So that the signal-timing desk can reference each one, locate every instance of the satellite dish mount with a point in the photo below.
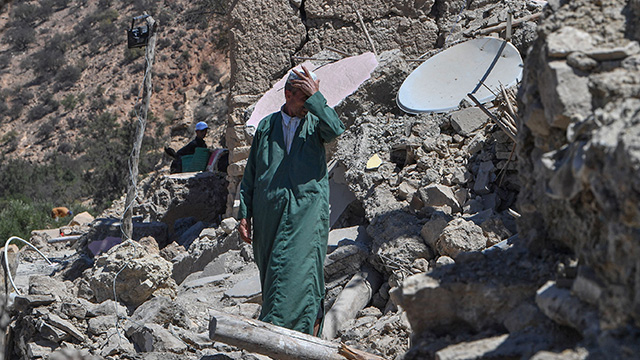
(138, 36)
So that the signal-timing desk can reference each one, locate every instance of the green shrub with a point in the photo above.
(4, 109)
(67, 77)
(46, 106)
(20, 99)
(10, 140)
(46, 130)
(5, 60)
(46, 62)
(69, 102)
(18, 217)
(19, 36)
(44, 11)
(25, 12)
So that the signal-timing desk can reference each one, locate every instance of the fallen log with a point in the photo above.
(353, 298)
(277, 342)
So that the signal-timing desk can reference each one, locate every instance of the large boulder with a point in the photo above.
(139, 274)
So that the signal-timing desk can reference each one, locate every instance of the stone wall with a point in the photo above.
(579, 147)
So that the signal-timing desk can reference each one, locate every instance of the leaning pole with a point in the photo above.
(127, 224)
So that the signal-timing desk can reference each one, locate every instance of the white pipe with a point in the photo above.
(6, 259)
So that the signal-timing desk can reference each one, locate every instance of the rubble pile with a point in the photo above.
(460, 244)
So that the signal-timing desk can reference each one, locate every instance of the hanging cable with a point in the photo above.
(6, 258)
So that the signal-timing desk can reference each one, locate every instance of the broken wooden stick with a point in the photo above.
(338, 51)
(505, 127)
(313, 58)
(275, 341)
(503, 26)
(366, 33)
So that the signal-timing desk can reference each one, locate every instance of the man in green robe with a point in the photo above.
(285, 190)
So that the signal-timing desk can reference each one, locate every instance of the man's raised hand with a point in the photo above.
(306, 84)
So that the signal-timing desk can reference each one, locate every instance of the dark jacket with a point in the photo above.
(190, 148)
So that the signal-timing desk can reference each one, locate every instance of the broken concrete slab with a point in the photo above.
(478, 349)
(160, 310)
(346, 259)
(50, 332)
(73, 310)
(47, 285)
(84, 218)
(107, 307)
(460, 236)
(564, 308)
(245, 288)
(354, 233)
(468, 120)
(101, 324)
(215, 280)
(439, 195)
(153, 337)
(65, 325)
(484, 178)
(567, 94)
(115, 343)
(25, 302)
(201, 252)
(566, 40)
(432, 230)
(228, 225)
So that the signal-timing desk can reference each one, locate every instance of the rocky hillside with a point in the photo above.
(69, 84)
(465, 243)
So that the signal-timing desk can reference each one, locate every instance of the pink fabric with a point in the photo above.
(337, 81)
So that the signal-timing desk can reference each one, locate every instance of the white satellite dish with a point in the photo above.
(440, 83)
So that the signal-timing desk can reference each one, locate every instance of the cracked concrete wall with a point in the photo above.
(578, 145)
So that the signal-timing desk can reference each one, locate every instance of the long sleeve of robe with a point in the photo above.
(287, 195)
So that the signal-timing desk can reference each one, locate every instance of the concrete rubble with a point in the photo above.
(456, 247)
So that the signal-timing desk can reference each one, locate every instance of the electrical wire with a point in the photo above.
(6, 259)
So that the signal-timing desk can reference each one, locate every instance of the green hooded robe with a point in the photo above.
(287, 195)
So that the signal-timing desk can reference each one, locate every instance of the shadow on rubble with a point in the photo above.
(479, 303)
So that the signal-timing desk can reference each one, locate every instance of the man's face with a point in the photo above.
(295, 102)
(201, 133)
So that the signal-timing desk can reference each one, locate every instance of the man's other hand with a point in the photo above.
(245, 230)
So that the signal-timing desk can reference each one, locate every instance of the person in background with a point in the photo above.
(190, 148)
(285, 191)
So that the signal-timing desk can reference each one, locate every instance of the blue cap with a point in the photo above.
(202, 125)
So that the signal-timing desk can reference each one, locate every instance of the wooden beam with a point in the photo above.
(127, 224)
(277, 342)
